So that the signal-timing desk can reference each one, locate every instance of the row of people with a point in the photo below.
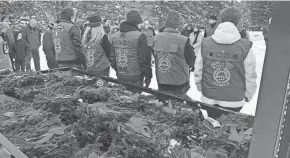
(224, 62)
(27, 37)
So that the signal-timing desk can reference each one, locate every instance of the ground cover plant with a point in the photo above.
(66, 115)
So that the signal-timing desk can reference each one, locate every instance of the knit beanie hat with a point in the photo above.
(213, 17)
(173, 20)
(134, 17)
(94, 20)
(66, 14)
(232, 14)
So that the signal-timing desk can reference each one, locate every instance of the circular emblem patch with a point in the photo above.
(164, 64)
(122, 59)
(100, 83)
(221, 75)
(90, 57)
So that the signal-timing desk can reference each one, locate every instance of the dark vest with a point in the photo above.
(96, 58)
(63, 44)
(171, 66)
(127, 57)
(223, 75)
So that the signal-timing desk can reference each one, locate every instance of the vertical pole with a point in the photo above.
(270, 140)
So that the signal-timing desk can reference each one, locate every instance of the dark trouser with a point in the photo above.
(215, 113)
(177, 90)
(174, 89)
(135, 82)
(35, 55)
(192, 67)
(12, 63)
(50, 59)
(51, 63)
(19, 65)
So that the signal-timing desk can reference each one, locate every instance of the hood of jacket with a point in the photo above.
(226, 33)
(127, 27)
(66, 21)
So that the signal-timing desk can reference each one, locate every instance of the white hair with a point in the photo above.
(97, 34)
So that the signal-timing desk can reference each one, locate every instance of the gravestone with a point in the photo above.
(271, 133)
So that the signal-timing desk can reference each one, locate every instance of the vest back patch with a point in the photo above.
(221, 73)
(90, 56)
(57, 45)
(122, 59)
(164, 61)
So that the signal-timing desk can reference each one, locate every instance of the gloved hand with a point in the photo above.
(246, 99)
(147, 82)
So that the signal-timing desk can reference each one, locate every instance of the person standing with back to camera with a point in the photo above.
(130, 55)
(225, 67)
(67, 41)
(96, 47)
(174, 56)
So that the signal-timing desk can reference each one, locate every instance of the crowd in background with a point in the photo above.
(219, 54)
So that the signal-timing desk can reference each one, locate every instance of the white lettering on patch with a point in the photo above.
(90, 56)
(57, 45)
(164, 62)
(221, 74)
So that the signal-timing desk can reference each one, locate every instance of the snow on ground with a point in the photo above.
(250, 108)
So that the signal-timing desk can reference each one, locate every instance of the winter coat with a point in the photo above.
(106, 29)
(173, 55)
(150, 33)
(142, 68)
(161, 29)
(97, 55)
(74, 34)
(9, 38)
(111, 33)
(32, 36)
(186, 32)
(47, 45)
(196, 45)
(210, 30)
(5, 62)
(244, 34)
(228, 34)
(20, 49)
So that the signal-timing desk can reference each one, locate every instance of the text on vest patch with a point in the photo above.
(164, 61)
(122, 59)
(221, 73)
(126, 43)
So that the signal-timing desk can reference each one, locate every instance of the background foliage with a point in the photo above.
(256, 13)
